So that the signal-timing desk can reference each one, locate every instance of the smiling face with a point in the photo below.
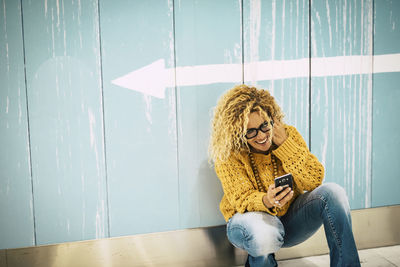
(262, 141)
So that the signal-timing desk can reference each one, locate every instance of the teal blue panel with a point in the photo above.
(341, 28)
(341, 105)
(207, 32)
(141, 138)
(278, 30)
(341, 134)
(386, 26)
(386, 96)
(385, 157)
(66, 121)
(275, 29)
(16, 206)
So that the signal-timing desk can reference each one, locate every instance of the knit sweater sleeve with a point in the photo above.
(296, 159)
(238, 189)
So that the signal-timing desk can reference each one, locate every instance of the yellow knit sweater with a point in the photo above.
(240, 186)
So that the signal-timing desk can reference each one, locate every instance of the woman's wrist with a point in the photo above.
(266, 202)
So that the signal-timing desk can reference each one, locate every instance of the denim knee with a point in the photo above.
(265, 243)
(335, 195)
(256, 232)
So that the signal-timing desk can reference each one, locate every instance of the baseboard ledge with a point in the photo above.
(374, 227)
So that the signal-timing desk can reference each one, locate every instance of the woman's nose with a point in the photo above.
(261, 135)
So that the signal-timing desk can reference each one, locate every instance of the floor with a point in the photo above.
(375, 257)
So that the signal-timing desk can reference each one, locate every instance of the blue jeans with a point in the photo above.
(262, 234)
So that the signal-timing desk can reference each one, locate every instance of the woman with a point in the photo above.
(250, 146)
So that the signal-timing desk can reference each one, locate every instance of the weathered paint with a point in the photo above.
(386, 96)
(207, 32)
(341, 106)
(16, 203)
(66, 122)
(141, 137)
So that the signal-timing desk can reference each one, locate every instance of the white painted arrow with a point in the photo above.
(153, 79)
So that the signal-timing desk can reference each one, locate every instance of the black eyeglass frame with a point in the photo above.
(264, 124)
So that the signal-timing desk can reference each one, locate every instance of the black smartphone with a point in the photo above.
(284, 181)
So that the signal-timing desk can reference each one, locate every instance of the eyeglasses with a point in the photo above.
(253, 132)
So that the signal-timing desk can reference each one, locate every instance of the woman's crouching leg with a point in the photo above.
(337, 223)
(259, 233)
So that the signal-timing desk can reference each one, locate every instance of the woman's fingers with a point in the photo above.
(279, 133)
(279, 196)
(271, 194)
(275, 190)
(285, 196)
(282, 194)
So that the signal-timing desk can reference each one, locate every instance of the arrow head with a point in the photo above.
(149, 80)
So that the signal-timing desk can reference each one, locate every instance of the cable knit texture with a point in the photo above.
(239, 184)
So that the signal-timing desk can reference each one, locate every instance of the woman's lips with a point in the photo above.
(262, 142)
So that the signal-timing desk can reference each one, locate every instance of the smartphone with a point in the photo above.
(284, 181)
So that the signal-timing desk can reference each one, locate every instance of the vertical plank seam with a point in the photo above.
(28, 125)
(309, 74)
(242, 36)
(104, 121)
(176, 112)
(372, 105)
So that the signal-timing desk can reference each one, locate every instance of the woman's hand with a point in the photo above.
(279, 133)
(276, 198)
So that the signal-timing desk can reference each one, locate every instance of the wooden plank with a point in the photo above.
(16, 220)
(278, 31)
(342, 105)
(386, 144)
(141, 137)
(207, 32)
(66, 121)
(387, 27)
(386, 95)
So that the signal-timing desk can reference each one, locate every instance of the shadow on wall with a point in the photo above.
(204, 197)
(210, 194)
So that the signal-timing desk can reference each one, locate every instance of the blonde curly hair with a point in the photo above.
(231, 116)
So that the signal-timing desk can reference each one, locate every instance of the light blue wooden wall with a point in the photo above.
(16, 203)
(341, 104)
(207, 32)
(386, 95)
(141, 137)
(63, 79)
(82, 157)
